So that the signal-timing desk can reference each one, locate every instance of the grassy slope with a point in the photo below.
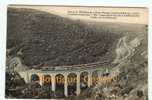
(52, 40)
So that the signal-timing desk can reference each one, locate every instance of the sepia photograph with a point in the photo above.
(76, 52)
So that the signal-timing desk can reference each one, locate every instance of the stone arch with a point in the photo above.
(35, 77)
(72, 81)
(84, 80)
(59, 80)
(95, 77)
(47, 84)
(47, 80)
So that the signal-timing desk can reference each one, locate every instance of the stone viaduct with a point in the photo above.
(77, 70)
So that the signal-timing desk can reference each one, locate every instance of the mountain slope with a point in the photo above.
(43, 38)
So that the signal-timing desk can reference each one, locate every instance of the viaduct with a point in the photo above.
(93, 72)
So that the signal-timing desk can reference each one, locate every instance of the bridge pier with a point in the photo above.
(66, 85)
(78, 90)
(41, 77)
(89, 79)
(53, 81)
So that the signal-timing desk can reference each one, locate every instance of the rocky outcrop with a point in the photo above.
(132, 83)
